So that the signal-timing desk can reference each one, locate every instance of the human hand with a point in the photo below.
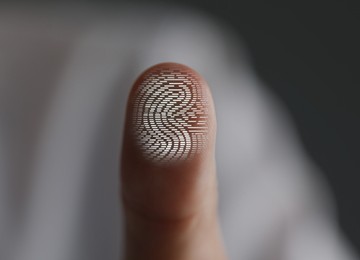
(168, 175)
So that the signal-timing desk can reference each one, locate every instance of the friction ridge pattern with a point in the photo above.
(170, 115)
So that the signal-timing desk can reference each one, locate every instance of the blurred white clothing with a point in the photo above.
(65, 73)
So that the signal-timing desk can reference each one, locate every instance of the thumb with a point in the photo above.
(168, 168)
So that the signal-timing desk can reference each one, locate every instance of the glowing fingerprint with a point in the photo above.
(170, 115)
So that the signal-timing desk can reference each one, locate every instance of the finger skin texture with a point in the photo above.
(168, 172)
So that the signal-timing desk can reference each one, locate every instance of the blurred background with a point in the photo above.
(308, 54)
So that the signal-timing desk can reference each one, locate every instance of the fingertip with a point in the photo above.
(168, 149)
(170, 115)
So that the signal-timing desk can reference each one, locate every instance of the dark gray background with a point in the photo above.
(308, 53)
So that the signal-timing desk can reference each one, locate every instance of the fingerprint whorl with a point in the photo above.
(170, 115)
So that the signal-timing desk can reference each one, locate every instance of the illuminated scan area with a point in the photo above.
(170, 114)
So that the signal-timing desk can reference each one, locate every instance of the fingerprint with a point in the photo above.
(170, 114)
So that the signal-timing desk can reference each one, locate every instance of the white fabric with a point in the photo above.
(65, 73)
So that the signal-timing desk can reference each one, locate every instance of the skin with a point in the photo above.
(170, 209)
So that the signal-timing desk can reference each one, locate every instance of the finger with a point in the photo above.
(168, 167)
